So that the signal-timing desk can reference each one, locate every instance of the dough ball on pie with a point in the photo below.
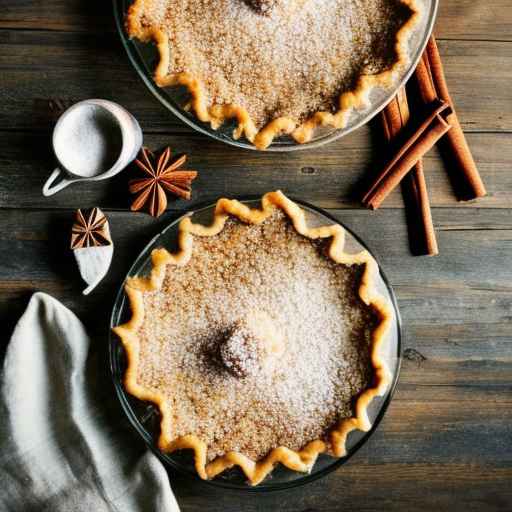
(250, 345)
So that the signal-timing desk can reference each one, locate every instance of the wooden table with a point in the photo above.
(446, 441)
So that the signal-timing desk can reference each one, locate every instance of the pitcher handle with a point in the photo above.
(48, 189)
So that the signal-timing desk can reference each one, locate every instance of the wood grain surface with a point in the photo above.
(446, 440)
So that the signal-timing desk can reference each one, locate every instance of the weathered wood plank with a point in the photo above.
(461, 19)
(421, 487)
(470, 20)
(330, 176)
(38, 66)
(482, 97)
(468, 393)
(64, 15)
(452, 433)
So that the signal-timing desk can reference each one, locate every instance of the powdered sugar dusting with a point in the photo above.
(243, 352)
(312, 301)
(291, 61)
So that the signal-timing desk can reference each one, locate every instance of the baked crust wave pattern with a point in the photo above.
(304, 459)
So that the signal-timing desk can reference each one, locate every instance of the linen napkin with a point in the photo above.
(62, 447)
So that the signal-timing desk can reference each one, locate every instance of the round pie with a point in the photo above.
(259, 340)
(276, 66)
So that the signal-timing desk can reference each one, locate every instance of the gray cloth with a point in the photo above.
(62, 448)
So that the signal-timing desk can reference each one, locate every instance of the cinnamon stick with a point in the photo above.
(422, 235)
(424, 81)
(432, 85)
(433, 127)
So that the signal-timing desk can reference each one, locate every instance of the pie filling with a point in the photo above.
(273, 59)
(258, 340)
(197, 350)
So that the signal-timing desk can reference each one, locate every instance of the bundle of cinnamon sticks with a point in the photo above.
(412, 137)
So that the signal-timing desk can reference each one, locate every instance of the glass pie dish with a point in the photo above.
(145, 417)
(144, 58)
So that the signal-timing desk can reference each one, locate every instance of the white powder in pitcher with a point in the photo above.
(89, 140)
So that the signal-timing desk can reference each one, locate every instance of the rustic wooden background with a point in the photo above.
(446, 441)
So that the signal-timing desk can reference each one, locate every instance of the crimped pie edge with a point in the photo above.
(217, 114)
(304, 459)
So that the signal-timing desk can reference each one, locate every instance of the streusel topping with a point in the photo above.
(312, 302)
(283, 58)
(251, 345)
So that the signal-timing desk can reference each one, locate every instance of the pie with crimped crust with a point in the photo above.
(276, 66)
(259, 340)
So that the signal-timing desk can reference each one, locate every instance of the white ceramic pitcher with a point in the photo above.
(126, 131)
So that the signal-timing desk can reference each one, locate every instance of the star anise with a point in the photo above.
(90, 230)
(161, 176)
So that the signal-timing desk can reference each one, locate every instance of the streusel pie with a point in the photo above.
(259, 340)
(276, 66)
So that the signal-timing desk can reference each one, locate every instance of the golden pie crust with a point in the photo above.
(153, 20)
(299, 460)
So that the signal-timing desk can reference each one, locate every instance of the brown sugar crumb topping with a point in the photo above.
(294, 60)
(313, 303)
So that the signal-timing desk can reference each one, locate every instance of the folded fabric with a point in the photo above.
(64, 444)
